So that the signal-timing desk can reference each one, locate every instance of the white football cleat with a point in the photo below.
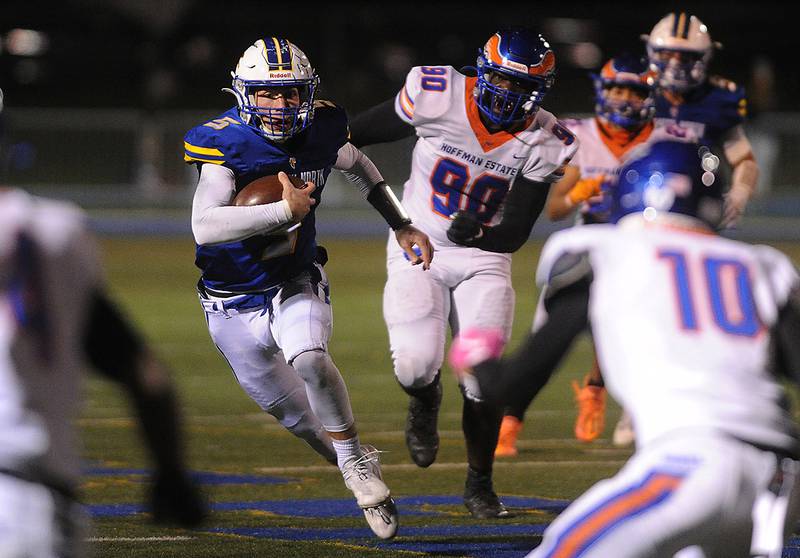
(362, 475)
(382, 519)
(624, 434)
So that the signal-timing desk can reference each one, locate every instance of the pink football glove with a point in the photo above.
(475, 345)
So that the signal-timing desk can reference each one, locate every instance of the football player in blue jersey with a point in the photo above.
(263, 288)
(710, 109)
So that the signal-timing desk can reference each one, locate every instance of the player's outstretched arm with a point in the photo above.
(361, 171)
(523, 206)
(379, 124)
(116, 350)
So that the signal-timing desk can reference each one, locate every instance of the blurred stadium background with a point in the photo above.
(100, 92)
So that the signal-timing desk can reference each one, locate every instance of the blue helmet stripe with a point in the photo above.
(278, 53)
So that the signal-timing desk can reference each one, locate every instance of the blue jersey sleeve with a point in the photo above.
(219, 142)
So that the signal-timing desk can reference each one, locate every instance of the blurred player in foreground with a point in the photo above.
(714, 323)
(263, 288)
(55, 317)
(624, 109)
(711, 109)
(483, 144)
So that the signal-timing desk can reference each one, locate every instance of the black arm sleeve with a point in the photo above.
(523, 206)
(114, 348)
(515, 380)
(786, 339)
(379, 124)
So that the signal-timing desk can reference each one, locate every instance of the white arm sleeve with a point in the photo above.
(215, 221)
(358, 168)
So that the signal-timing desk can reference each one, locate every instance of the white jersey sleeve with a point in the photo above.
(425, 95)
(557, 148)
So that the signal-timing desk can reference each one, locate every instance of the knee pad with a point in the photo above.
(315, 368)
(416, 369)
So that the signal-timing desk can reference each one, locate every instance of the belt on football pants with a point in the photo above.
(213, 301)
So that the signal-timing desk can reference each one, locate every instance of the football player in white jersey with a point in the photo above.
(714, 322)
(693, 103)
(624, 109)
(481, 169)
(55, 317)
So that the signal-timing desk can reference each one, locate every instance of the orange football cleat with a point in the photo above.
(591, 401)
(507, 441)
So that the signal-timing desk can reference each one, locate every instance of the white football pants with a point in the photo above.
(261, 344)
(464, 287)
(701, 491)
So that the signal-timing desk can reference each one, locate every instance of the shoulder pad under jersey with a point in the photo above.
(216, 141)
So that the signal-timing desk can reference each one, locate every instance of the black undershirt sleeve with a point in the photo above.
(515, 380)
(379, 124)
(523, 206)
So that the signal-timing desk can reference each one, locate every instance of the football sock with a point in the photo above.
(481, 425)
(346, 450)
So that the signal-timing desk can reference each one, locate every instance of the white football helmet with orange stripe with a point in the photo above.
(679, 48)
(524, 64)
(275, 63)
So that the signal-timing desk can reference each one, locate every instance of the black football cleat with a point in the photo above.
(422, 436)
(480, 498)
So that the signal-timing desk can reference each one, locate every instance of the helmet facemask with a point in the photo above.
(630, 113)
(292, 107)
(505, 106)
(679, 70)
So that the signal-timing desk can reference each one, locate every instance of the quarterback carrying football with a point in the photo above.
(263, 288)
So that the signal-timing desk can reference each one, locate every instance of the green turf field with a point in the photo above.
(272, 496)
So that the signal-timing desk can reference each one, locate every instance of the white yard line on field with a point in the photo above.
(299, 470)
(138, 539)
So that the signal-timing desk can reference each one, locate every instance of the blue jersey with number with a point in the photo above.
(263, 261)
(708, 112)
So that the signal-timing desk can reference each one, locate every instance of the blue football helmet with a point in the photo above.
(522, 57)
(669, 177)
(279, 65)
(625, 71)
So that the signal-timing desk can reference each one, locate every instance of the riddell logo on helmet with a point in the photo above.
(280, 75)
(515, 66)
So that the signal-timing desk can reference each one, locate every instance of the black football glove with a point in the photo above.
(177, 500)
(464, 229)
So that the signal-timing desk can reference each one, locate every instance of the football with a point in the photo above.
(267, 189)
